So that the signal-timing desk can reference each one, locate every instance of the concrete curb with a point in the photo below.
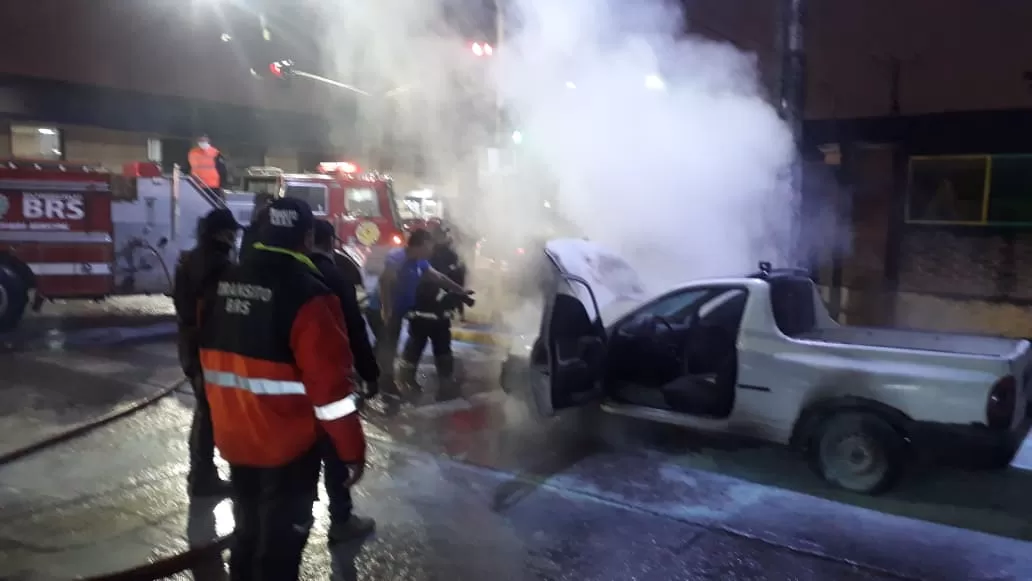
(480, 336)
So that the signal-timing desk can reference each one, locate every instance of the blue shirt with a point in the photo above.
(409, 273)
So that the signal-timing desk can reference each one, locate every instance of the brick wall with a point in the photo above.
(864, 269)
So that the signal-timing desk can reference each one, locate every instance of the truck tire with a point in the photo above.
(14, 297)
(859, 452)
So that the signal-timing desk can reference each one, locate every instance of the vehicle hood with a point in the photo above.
(617, 286)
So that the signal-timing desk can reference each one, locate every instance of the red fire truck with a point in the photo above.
(359, 203)
(69, 231)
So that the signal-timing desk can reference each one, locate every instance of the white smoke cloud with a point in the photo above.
(659, 146)
(687, 181)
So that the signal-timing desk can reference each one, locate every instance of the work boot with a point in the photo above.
(447, 385)
(356, 527)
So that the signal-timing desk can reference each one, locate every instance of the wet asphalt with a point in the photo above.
(479, 489)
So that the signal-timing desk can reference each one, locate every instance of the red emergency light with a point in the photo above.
(337, 167)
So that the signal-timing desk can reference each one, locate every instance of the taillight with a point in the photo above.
(396, 240)
(999, 410)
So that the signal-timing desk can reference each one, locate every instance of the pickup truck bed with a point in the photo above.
(916, 340)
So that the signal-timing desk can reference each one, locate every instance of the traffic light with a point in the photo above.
(482, 49)
(283, 70)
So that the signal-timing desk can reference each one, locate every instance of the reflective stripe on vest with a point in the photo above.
(329, 412)
(254, 385)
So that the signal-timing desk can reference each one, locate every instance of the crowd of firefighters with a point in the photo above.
(276, 348)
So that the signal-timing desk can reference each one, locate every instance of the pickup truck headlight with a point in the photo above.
(1003, 397)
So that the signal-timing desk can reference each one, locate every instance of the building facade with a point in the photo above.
(921, 107)
(112, 81)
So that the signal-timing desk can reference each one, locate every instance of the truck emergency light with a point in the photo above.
(337, 167)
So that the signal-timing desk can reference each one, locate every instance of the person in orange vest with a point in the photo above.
(207, 164)
(278, 375)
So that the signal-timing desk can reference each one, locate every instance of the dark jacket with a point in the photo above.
(222, 169)
(446, 261)
(250, 236)
(197, 274)
(337, 280)
(430, 298)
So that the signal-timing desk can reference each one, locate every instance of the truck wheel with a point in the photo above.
(859, 452)
(14, 297)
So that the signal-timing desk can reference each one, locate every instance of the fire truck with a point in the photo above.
(72, 231)
(418, 208)
(360, 204)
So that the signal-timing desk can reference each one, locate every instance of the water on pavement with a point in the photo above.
(481, 489)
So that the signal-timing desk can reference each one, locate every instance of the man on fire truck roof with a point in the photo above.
(207, 164)
(277, 370)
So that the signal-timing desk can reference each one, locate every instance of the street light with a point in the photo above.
(654, 83)
(482, 49)
(282, 69)
(571, 85)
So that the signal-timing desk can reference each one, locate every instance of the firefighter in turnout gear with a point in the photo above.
(197, 275)
(277, 371)
(430, 320)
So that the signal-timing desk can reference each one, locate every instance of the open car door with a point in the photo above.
(573, 333)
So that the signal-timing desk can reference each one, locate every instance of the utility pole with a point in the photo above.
(499, 42)
(793, 66)
(792, 102)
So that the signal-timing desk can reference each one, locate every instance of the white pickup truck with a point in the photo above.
(759, 356)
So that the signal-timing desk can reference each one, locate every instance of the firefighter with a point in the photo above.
(395, 295)
(344, 525)
(197, 274)
(250, 237)
(208, 165)
(277, 370)
(430, 320)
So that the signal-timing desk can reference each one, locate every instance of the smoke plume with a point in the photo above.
(661, 146)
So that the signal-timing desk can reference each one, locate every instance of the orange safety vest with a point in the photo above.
(273, 394)
(202, 166)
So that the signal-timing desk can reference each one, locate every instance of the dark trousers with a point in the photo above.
(438, 333)
(421, 331)
(375, 320)
(386, 345)
(202, 439)
(335, 472)
(273, 512)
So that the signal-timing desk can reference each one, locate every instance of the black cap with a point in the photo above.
(419, 237)
(216, 221)
(287, 223)
(325, 233)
